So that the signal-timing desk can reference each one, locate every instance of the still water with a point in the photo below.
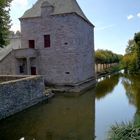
(116, 99)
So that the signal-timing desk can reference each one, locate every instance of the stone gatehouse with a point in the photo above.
(57, 41)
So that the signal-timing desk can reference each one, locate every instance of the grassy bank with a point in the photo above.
(124, 132)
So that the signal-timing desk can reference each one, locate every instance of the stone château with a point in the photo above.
(57, 42)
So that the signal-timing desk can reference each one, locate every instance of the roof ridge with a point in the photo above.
(60, 7)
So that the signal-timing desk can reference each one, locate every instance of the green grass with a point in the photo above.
(124, 132)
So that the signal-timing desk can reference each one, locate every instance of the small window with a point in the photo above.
(67, 72)
(47, 41)
(31, 44)
(33, 70)
(21, 69)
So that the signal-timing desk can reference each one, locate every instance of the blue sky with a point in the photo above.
(115, 21)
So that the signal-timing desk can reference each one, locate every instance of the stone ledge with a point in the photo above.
(18, 78)
(77, 88)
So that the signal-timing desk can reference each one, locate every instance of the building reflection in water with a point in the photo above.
(62, 118)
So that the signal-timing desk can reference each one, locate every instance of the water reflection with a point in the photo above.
(73, 118)
(132, 87)
(64, 118)
(106, 86)
(112, 105)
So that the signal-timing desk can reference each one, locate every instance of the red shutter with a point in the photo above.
(47, 41)
(33, 70)
(31, 44)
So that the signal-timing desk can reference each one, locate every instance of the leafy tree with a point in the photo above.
(130, 47)
(131, 60)
(106, 57)
(100, 57)
(137, 46)
(4, 22)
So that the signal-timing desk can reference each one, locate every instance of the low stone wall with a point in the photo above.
(20, 94)
(5, 78)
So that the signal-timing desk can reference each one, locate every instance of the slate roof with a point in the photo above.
(60, 7)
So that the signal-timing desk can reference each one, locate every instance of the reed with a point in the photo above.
(124, 131)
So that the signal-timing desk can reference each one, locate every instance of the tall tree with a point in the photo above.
(130, 47)
(137, 44)
(4, 21)
(131, 60)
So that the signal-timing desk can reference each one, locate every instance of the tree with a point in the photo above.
(106, 57)
(130, 47)
(137, 46)
(4, 21)
(131, 60)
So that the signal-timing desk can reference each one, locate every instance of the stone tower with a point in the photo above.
(63, 40)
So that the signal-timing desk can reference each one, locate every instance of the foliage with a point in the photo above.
(137, 45)
(131, 60)
(113, 69)
(130, 47)
(106, 57)
(4, 21)
(124, 132)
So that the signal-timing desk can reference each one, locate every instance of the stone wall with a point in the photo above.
(5, 78)
(70, 58)
(15, 41)
(20, 94)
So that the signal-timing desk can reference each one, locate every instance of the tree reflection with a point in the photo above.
(132, 87)
(106, 86)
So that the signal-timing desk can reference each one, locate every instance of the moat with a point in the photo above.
(81, 117)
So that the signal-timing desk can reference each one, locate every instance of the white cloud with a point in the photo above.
(130, 17)
(20, 3)
(18, 7)
(138, 15)
(105, 27)
(15, 27)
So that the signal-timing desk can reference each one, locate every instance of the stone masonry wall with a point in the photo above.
(20, 94)
(69, 60)
(5, 78)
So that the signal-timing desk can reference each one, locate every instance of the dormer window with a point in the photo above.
(47, 41)
(31, 44)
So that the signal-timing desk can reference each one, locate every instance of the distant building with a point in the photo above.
(57, 41)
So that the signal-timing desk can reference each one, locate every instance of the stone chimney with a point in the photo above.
(46, 9)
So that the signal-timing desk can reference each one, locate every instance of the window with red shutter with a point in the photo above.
(33, 70)
(31, 44)
(47, 41)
